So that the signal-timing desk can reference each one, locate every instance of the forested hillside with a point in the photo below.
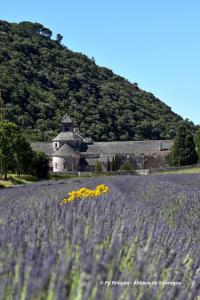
(41, 80)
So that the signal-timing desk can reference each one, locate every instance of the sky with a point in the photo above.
(152, 42)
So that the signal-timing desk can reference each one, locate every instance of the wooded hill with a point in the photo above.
(41, 80)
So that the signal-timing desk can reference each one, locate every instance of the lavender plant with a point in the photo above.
(146, 229)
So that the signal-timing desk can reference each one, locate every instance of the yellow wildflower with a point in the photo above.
(86, 193)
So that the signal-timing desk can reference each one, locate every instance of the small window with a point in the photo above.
(56, 166)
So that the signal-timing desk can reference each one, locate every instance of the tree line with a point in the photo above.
(17, 156)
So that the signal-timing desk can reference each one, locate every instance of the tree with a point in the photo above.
(117, 162)
(8, 133)
(113, 165)
(59, 38)
(23, 155)
(108, 167)
(15, 150)
(28, 29)
(98, 167)
(197, 143)
(46, 32)
(127, 166)
(183, 151)
(40, 164)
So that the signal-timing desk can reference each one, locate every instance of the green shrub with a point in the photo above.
(40, 164)
(127, 166)
(98, 167)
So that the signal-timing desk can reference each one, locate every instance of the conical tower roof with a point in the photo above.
(66, 119)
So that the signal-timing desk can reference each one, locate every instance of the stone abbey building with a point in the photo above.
(70, 151)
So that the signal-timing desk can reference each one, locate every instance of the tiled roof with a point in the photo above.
(65, 136)
(45, 147)
(134, 147)
(103, 148)
(64, 151)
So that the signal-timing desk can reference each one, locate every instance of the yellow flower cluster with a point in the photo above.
(85, 193)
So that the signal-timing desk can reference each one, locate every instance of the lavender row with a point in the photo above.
(146, 229)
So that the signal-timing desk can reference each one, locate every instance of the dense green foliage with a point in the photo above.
(41, 80)
(15, 151)
(197, 143)
(17, 156)
(40, 164)
(183, 151)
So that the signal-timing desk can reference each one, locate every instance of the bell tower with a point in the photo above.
(67, 124)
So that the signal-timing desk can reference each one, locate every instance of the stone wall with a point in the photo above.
(69, 164)
(156, 160)
(58, 164)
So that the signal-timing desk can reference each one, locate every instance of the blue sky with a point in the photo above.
(154, 43)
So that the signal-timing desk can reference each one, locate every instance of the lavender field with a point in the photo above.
(139, 241)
